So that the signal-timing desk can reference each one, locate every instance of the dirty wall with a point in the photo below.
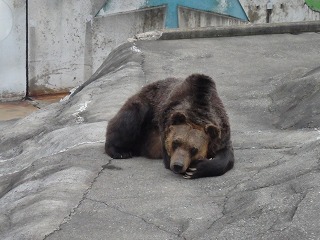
(58, 37)
(12, 49)
(282, 11)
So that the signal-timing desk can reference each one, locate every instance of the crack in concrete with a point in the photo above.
(139, 217)
(184, 228)
(292, 213)
(224, 219)
(275, 163)
(224, 216)
(229, 194)
(276, 183)
(84, 196)
(296, 206)
(8, 220)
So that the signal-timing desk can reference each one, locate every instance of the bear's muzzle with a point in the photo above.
(177, 167)
(180, 161)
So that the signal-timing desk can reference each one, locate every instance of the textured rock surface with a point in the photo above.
(296, 99)
(57, 183)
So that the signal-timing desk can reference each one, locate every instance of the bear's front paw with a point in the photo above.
(198, 170)
(123, 155)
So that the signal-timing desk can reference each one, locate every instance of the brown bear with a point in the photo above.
(182, 121)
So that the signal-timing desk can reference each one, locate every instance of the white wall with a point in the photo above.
(58, 34)
(12, 50)
(112, 30)
(57, 40)
(190, 18)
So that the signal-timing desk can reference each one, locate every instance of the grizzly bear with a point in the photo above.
(182, 121)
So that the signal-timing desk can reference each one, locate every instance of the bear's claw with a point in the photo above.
(122, 155)
(189, 173)
(192, 169)
(198, 171)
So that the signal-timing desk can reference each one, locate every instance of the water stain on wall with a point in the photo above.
(253, 13)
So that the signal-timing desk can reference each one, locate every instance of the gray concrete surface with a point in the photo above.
(56, 182)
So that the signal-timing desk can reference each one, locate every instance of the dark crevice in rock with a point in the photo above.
(141, 218)
(296, 206)
(73, 210)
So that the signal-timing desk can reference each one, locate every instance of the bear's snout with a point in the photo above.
(180, 161)
(177, 167)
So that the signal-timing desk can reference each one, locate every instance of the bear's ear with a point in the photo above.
(213, 131)
(178, 118)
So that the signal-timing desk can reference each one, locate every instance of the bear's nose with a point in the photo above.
(177, 167)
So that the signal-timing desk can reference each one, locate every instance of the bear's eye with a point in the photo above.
(193, 151)
(175, 144)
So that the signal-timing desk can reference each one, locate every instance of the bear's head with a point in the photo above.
(186, 142)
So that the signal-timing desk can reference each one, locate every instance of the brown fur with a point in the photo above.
(186, 143)
(163, 113)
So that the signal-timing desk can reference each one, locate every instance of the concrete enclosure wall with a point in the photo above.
(57, 43)
(112, 30)
(12, 49)
(228, 8)
(68, 40)
(190, 18)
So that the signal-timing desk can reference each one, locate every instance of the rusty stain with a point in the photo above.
(20, 109)
(15, 110)
(46, 88)
(42, 89)
(50, 98)
(39, 91)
